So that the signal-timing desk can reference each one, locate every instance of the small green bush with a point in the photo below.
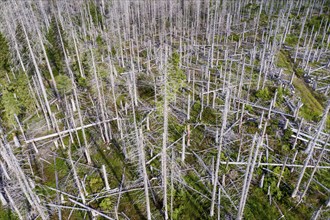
(264, 94)
(106, 204)
(291, 40)
(95, 184)
(63, 83)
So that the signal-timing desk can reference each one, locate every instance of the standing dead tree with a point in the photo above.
(170, 104)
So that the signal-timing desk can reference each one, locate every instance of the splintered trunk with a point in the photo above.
(183, 153)
(77, 54)
(188, 108)
(297, 134)
(144, 173)
(281, 174)
(216, 174)
(241, 206)
(40, 79)
(105, 177)
(164, 152)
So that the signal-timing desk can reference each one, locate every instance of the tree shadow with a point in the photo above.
(116, 172)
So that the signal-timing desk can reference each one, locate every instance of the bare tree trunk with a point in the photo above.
(216, 175)
(144, 172)
(42, 86)
(164, 147)
(315, 168)
(310, 148)
(76, 178)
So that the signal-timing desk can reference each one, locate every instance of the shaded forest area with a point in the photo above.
(151, 109)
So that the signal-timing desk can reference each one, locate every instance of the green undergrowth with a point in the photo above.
(7, 214)
(291, 40)
(259, 207)
(312, 107)
(188, 203)
(59, 165)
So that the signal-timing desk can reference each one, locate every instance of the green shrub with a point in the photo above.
(54, 49)
(82, 82)
(291, 40)
(63, 83)
(119, 69)
(176, 77)
(280, 93)
(235, 37)
(16, 98)
(95, 184)
(209, 115)
(4, 53)
(11, 106)
(314, 21)
(7, 213)
(264, 94)
(248, 108)
(99, 40)
(106, 204)
(287, 134)
(300, 72)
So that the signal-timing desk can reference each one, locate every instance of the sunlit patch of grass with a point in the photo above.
(312, 108)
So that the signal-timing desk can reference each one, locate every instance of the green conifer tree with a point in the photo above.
(54, 48)
(23, 48)
(4, 53)
(15, 97)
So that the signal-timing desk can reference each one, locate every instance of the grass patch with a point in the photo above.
(6, 213)
(291, 40)
(312, 108)
(258, 207)
(282, 62)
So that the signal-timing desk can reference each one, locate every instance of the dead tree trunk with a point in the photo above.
(216, 174)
